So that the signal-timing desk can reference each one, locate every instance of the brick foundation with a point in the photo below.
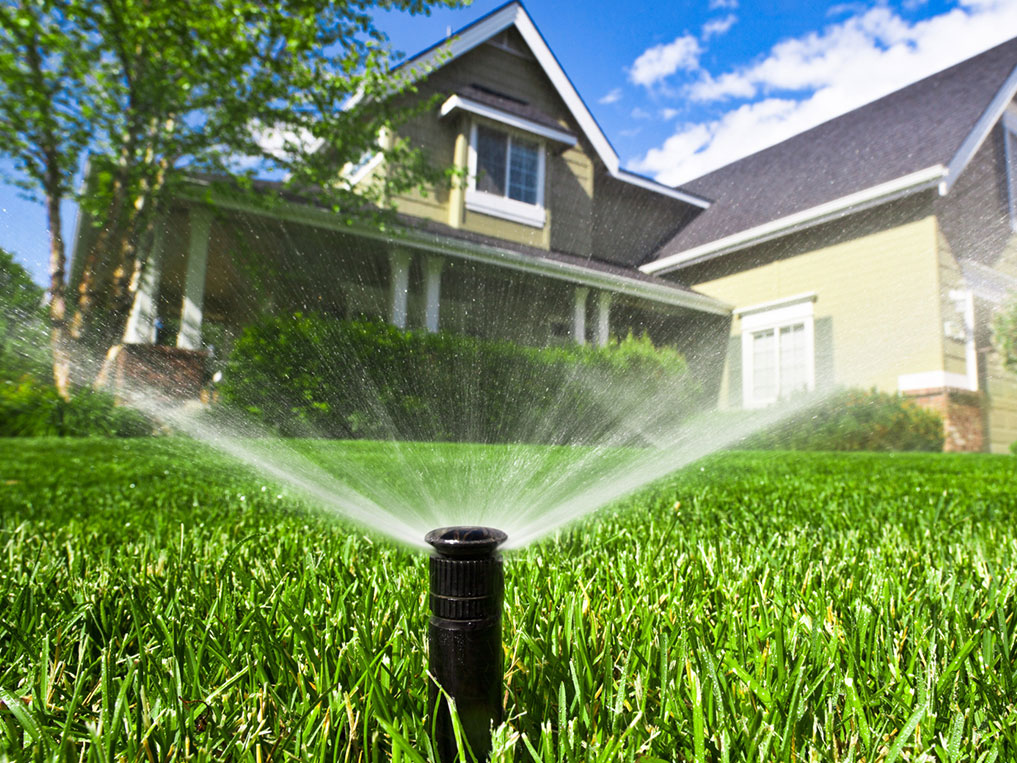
(961, 410)
(169, 371)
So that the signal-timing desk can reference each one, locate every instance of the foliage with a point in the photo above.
(157, 90)
(22, 328)
(856, 419)
(755, 607)
(315, 375)
(29, 409)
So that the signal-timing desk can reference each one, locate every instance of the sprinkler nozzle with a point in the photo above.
(465, 635)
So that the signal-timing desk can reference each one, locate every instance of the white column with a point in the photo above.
(141, 321)
(189, 336)
(579, 314)
(399, 261)
(603, 317)
(432, 291)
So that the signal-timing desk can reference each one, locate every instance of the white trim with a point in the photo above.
(502, 206)
(831, 210)
(774, 316)
(652, 185)
(483, 253)
(932, 380)
(980, 132)
(788, 304)
(506, 208)
(511, 120)
(964, 300)
(366, 169)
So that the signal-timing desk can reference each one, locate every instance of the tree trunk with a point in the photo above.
(57, 297)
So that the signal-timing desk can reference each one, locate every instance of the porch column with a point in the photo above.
(603, 317)
(579, 314)
(189, 336)
(432, 291)
(140, 327)
(399, 262)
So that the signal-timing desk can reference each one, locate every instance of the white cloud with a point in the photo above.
(667, 114)
(715, 27)
(807, 80)
(613, 97)
(638, 113)
(715, 4)
(661, 61)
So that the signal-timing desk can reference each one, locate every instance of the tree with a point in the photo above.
(44, 59)
(21, 319)
(164, 89)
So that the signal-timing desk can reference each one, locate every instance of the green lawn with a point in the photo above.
(155, 602)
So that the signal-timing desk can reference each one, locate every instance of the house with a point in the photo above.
(541, 244)
(871, 251)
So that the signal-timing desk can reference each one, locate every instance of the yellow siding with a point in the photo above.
(877, 289)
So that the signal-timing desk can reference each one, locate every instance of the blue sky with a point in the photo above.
(683, 87)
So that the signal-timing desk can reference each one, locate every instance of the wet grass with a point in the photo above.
(157, 604)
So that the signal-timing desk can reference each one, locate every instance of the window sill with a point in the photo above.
(507, 209)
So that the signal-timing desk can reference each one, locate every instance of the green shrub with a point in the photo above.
(856, 419)
(311, 375)
(30, 409)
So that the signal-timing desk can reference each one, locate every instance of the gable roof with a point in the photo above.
(916, 138)
(512, 14)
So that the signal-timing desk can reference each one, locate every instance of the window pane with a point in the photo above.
(523, 166)
(793, 369)
(764, 367)
(491, 150)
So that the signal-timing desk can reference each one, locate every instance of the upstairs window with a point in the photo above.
(506, 176)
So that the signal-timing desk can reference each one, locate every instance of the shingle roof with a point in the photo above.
(912, 129)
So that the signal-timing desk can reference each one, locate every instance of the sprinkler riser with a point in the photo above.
(464, 634)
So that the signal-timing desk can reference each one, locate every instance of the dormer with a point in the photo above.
(507, 155)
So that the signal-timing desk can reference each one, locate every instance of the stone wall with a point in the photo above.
(963, 417)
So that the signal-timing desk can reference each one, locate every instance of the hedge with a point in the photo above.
(32, 409)
(312, 375)
(855, 419)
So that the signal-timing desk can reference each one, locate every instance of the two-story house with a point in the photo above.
(869, 251)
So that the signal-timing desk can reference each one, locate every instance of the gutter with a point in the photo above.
(923, 180)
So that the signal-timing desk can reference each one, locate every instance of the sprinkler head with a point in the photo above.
(465, 542)
(465, 659)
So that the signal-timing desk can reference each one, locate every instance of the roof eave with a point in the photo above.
(906, 185)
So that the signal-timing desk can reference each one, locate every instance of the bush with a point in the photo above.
(310, 375)
(30, 409)
(856, 420)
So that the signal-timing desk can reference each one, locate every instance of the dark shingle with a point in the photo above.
(919, 126)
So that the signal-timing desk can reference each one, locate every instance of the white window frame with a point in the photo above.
(773, 316)
(502, 206)
(1010, 158)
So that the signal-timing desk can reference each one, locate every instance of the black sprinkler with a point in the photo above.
(465, 636)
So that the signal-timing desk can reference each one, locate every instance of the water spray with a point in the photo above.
(467, 584)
